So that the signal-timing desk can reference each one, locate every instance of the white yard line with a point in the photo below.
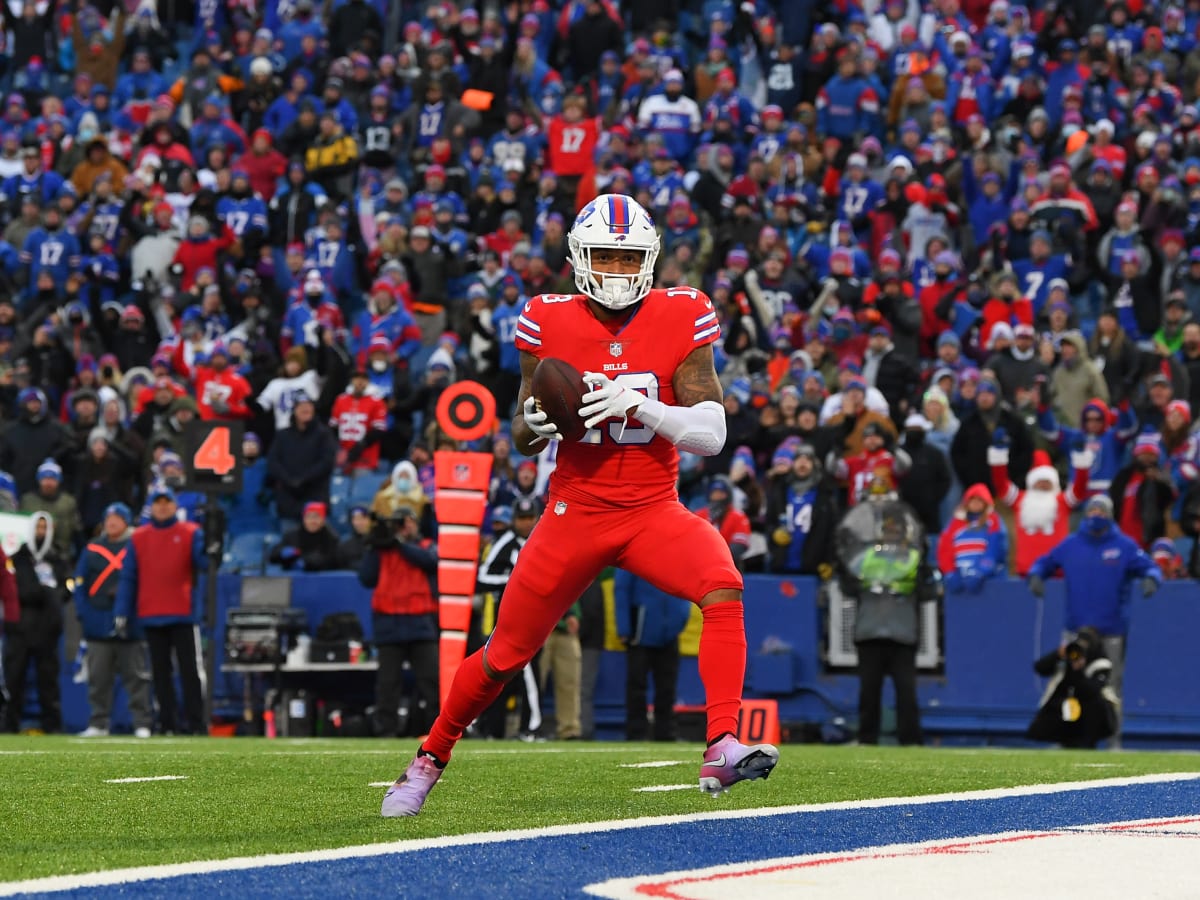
(656, 764)
(242, 863)
(657, 788)
(145, 778)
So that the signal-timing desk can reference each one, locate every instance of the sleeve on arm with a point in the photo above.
(528, 334)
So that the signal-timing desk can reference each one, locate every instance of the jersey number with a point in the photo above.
(214, 454)
(51, 253)
(622, 432)
(1033, 284)
(572, 139)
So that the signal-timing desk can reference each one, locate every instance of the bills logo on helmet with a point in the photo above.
(618, 214)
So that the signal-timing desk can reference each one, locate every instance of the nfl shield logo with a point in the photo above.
(615, 348)
(560, 507)
(462, 472)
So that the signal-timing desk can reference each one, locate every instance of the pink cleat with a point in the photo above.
(407, 795)
(728, 761)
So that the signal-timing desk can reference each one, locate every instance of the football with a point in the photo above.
(558, 388)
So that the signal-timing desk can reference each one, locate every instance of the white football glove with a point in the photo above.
(607, 400)
(539, 423)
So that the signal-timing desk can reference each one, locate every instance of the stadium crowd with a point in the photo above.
(954, 249)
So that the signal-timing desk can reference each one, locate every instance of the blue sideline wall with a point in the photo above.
(987, 692)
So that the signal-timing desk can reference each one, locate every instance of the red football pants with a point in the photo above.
(664, 543)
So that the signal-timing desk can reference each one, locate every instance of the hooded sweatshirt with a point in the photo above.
(402, 489)
(1077, 383)
(1099, 568)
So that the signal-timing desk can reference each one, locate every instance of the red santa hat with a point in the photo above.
(1042, 470)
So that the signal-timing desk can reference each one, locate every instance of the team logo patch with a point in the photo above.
(615, 348)
(560, 507)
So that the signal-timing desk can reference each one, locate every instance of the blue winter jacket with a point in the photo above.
(1099, 571)
(646, 616)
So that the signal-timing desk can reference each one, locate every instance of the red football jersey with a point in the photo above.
(227, 387)
(354, 417)
(570, 146)
(621, 462)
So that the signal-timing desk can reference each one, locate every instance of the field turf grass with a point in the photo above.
(252, 796)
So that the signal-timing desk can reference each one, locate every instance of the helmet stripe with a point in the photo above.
(618, 214)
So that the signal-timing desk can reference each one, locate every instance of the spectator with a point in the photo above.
(1168, 560)
(249, 508)
(361, 420)
(403, 489)
(50, 498)
(928, 480)
(313, 547)
(97, 575)
(156, 594)
(1075, 380)
(598, 29)
(332, 156)
(649, 623)
(353, 548)
(973, 547)
(34, 437)
(1100, 564)
(1142, 492)
(104, 475)
(803, 506)
(41, 578)
(992, 422)
(295, 378)
(731, 522)
(301, 461)
(400, 568)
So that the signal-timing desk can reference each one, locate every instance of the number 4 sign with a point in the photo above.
(214, 456)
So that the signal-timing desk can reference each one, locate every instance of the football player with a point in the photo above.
(648, 360)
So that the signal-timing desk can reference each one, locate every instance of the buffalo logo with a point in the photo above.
(615, 348)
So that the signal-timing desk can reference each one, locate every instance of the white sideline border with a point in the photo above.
(272, 860)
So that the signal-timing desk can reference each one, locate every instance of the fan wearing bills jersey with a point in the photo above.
(647, 360)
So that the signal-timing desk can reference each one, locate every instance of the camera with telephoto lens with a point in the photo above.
(1083, 646)
(385, 530)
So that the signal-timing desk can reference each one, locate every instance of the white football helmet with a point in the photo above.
(616, 222)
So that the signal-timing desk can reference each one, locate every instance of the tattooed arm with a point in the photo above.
(523, 437)
(695, 380)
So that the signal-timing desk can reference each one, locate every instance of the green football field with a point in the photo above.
(240, 797)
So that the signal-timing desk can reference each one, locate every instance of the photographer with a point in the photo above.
(1079, 708)
(402, 570)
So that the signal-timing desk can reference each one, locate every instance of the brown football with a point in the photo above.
(558, 388)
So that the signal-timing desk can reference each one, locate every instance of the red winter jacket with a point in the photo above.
(195, 255)
(264, 171)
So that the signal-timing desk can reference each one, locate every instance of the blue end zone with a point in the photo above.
(560, 866)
